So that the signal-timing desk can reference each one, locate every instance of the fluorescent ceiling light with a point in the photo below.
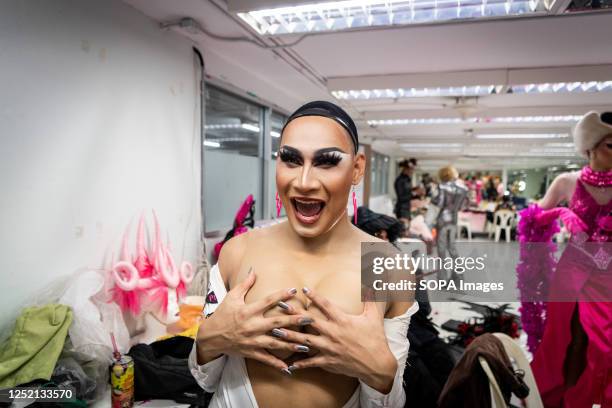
(563, 87)
(510, 119)
(250, 127)
(475, 90)
(428, 121)
(274, 133)
(430, 145)
(210, 143)
(547, 154)
(223, 126)
(342, 15)
(523, 136)
(246, 126)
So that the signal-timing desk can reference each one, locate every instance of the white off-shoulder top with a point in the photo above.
(227, 376)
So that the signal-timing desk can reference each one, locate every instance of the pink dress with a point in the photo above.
(583, 280)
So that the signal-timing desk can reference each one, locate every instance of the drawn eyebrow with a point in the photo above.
(316, 153)
(329, 150)
(291, 149)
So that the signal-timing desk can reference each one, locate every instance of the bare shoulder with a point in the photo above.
(234, 250)
(560, 189)
(365, 237)
(231, 256)
(567, 179)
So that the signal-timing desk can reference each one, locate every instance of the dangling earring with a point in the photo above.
(354, 206)
(279, 205)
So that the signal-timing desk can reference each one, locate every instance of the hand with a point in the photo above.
(237, 328)
(355, 346)
(572, 222)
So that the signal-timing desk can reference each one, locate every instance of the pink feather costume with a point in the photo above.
(581, 282)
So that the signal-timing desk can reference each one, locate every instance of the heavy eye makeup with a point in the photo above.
(328, 157)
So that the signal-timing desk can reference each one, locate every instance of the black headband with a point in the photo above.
(331, 111)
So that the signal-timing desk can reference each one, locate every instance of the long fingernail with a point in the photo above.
(305, 289)
(292, 368)
(302, 349)
(292, 291)
(286, 371)
(284, 305)
(278, 333)
(304, 321)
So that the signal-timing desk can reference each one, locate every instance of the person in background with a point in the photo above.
(501, 188)
(491, 190)
(428, 184)
(505, 204)
(404, 189)
(451, 197)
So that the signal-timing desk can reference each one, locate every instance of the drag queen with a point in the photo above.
(573, 362)
(285, 323)
(451, 198)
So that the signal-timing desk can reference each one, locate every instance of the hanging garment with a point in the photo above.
(33, 348)
(468, 384)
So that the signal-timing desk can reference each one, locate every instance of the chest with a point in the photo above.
(334, 277)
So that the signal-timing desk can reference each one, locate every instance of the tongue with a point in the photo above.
(308, 210)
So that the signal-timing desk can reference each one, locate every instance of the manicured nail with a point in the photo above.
(304, 321)
(302, 349)
(305, 289)
(284, 305)
(278, 333)
(292, 368)
(292, 291)
(286, 371)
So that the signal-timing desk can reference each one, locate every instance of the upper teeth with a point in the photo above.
(307, 202)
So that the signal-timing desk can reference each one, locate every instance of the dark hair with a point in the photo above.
(331, 111)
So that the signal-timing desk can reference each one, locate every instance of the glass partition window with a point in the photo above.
(276, 125)
(380, 174)
(233, 125)
(233, 163)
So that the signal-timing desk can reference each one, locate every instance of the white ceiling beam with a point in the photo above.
(519, 76)
(486, 113)
(421, 80)
(241, 6)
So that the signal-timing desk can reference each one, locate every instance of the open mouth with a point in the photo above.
(307, 210)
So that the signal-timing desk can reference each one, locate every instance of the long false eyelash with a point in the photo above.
(327, 159)
(288, 156)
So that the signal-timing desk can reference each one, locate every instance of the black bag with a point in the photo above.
(161, 372)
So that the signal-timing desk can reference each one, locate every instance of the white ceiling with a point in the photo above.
(319, 63)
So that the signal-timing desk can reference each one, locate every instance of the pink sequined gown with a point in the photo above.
(586, 279)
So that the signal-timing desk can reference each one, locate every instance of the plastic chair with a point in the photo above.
(497, 398)
(463, 222)
(516, 354)
(502, 219)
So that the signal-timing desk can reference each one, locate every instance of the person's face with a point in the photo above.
(315, 170)
(601, 156)
(408, 170)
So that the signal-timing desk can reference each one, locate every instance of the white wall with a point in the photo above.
(98, 121)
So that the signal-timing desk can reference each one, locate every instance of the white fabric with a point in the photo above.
(227, 376)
